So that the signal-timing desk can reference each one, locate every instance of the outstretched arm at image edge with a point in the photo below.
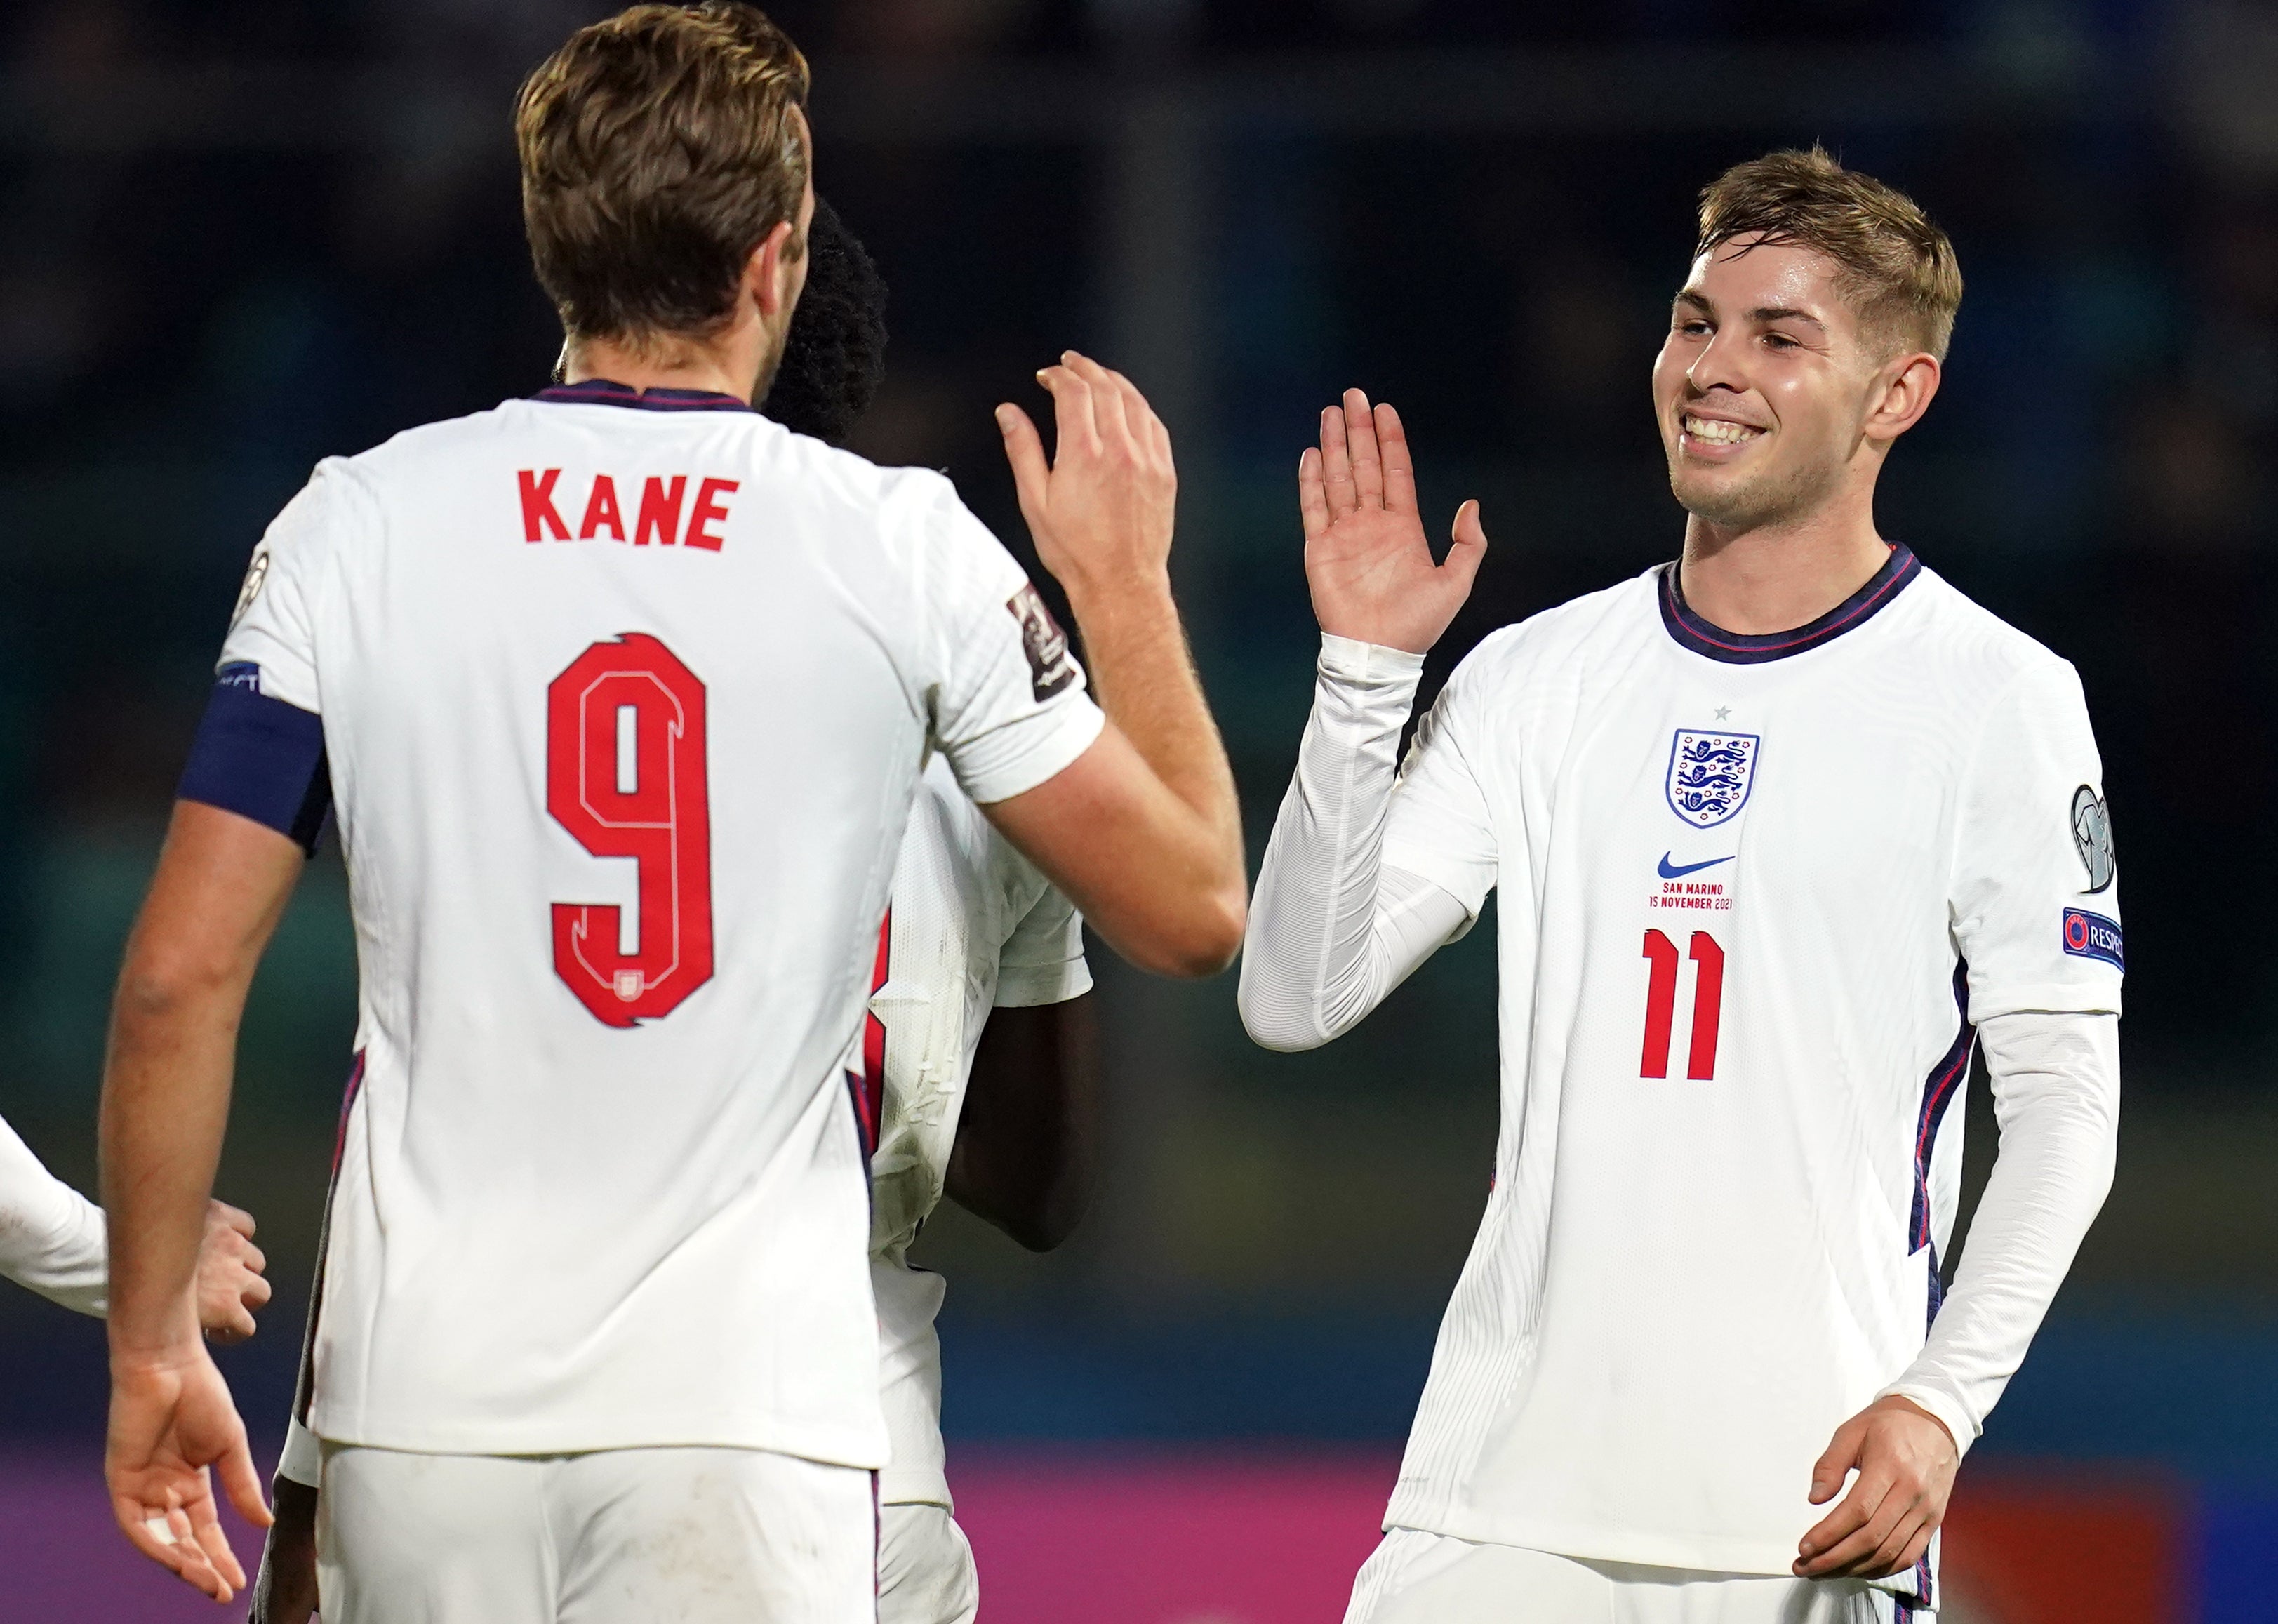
(1334, 928)
(53, 1240)
(2056, 1091)
(51, 1236)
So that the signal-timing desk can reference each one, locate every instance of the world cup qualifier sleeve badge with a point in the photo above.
(1710, 775)
(1051, 666)
(2091, 838)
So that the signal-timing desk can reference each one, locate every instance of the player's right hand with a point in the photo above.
(229, 1282)
(284, 1591)
(1366, 561)
(171, 1423)
(1101, 511)
(1905, 1460)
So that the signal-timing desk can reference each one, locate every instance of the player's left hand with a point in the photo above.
(171, 1422)
(1906, 1461)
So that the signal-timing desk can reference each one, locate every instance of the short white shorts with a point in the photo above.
(1419, 1578)
(925, 1567)
(616, 1536)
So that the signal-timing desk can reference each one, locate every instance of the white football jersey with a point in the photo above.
(974, 926)
(1754, 892)
(626, 698)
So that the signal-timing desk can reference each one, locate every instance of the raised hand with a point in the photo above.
(171, 1423)
(1369, 569)
(1101, 511)
(1906, 1461)
(1143, 830)
(229, 1283)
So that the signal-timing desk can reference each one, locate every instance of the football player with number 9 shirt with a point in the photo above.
(1781, 830)
(974, 1067)
(621, 696)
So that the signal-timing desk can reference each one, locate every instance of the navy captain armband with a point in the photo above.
(261, 758)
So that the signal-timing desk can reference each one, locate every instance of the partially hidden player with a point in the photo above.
(52, 1241)
(995, 1107)
(1780, 830)
(622, 696)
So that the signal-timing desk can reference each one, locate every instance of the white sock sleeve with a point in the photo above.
(1332, 929)
(2056, 1095)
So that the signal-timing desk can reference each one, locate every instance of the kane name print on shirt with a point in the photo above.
(655, 514)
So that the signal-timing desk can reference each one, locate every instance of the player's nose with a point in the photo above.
(1717, 366)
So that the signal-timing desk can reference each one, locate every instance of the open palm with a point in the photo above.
(1366, 560)
(171, 1426)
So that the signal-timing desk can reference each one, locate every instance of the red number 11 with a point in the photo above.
(1661, 1005)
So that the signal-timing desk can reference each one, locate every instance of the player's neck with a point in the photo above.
(728, 365)
(1775, 578)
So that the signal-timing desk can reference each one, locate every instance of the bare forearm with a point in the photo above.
(1144, 677)
(222, 883)
(165, 1102)
(1142, 831)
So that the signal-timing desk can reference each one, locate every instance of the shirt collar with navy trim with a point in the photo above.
(1690, 631)
(602, 392)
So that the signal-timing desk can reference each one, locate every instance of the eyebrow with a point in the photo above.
(1783, 313)
(1761, 313)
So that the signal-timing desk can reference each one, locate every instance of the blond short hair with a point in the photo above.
(1893, 267)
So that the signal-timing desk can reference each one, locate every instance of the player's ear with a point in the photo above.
(776, 268)
(768, 274)
(1905, 385)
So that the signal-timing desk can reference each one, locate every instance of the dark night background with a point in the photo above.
(238, 237)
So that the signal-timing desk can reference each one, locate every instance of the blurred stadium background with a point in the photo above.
(237, 235)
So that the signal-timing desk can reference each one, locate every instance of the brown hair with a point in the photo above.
(659, 149)
(1894, 268)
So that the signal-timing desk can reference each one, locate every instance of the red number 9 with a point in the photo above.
(625, 776)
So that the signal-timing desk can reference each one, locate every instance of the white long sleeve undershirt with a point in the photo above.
(2056, 1096)
(1334, 929)
(51, 1238)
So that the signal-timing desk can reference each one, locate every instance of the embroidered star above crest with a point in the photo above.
(1724, 713)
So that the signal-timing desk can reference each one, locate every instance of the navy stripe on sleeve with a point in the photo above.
(261, 758)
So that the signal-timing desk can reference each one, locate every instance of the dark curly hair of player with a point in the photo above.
(836, 352)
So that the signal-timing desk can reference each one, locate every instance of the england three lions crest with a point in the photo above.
(1710, 775)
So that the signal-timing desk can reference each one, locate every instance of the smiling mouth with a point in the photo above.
(1716, 431)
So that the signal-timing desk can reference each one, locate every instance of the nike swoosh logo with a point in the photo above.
(1678, 871)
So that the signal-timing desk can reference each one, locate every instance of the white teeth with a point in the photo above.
(1717, 433)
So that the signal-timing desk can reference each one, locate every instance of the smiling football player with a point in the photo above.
(1783, 830)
